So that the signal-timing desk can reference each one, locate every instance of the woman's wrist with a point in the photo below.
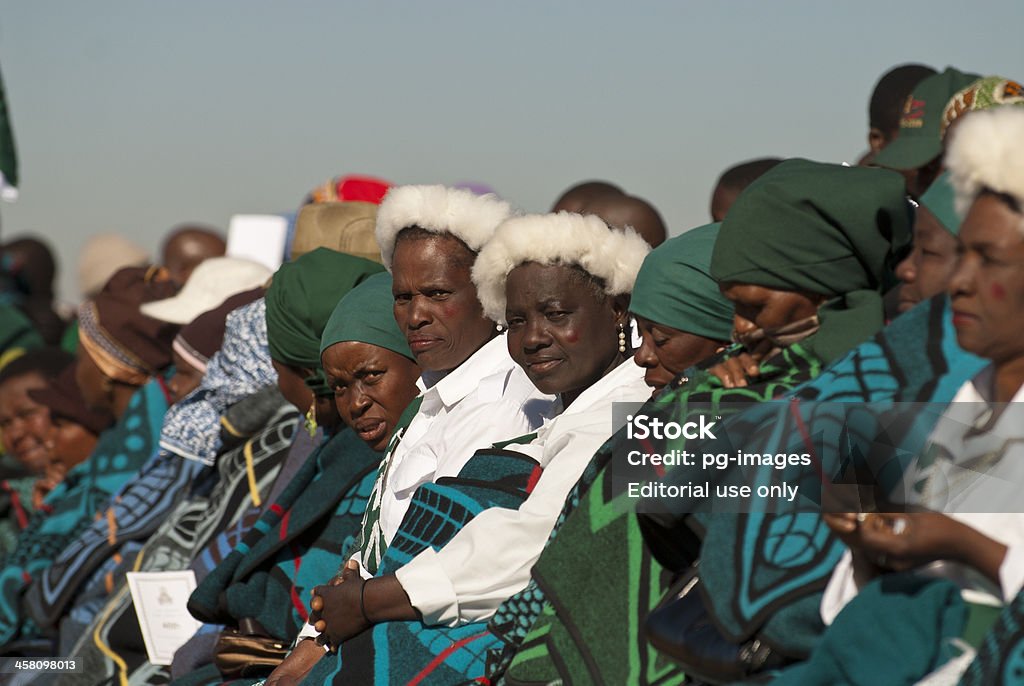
(384, 600)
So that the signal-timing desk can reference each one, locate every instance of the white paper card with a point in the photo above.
(160, 600)
(258, 237)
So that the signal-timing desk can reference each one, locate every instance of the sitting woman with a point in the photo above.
(562, 284)
(972, 477)
(298, 541)
(26, 429)
(122, 358)
(76, 430)
(681, 315)
(804, 267)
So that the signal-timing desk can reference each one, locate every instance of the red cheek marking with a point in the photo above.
(451, 310)
(998, 291)
(572, 337)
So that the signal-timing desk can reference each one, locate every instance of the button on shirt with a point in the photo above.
(490, 559)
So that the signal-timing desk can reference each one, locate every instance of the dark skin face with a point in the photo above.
(760, 307)
(186, 248)
(561, 331)
(292, 386)
(99, 391)
(186, 378)
(25, 424)
(666, 352)
(436, 306)
(927, 269)
(987, 290)
(372, 387)
(94, 384)
(291, 381)
(72, 442)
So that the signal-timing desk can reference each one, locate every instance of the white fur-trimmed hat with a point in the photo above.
(985, 153)
(564, 238)
(469, 217)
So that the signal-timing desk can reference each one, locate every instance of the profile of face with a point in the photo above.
(372, 387)
(92, 382)
(763, 309)
(72, 442)
(291, 381)
(436, 304)
(987, 288)
(562, 330)
(926, 270)
(186, 378)
(666, 352)
(25, 424)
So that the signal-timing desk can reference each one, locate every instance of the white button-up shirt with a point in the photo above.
(958, 483)
(490, 559)
(486, 399)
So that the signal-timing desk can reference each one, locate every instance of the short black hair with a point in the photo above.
(48, 362)
(890, 93)
(739, 176)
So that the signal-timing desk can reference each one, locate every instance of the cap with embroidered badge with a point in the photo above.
(920, 139)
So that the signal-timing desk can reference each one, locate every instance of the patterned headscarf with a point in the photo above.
(127, 345)
(991, 91)
(240, 368)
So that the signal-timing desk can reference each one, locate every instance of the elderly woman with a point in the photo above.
(804, 264)
(561, 283)
(681, 315)
(299, 539)
(472, 392)
(969, 537)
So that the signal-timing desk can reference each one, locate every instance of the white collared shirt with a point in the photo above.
(486, 399)
(490, 559)
(965, 486)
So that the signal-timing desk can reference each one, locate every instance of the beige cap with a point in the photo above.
(346, 227)
(104, 255)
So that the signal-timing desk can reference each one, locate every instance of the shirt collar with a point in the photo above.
(450, 389)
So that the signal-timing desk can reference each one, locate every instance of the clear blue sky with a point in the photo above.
(134, 116)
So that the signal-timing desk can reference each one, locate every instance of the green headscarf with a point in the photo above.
(366, 315)
(822, 228)
(675, 287)
(939, 201)
(301, 299)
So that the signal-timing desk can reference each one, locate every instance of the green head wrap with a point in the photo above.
(821, 228)
(301, 299)
(366, 315)
(939, 200)
(675, 287)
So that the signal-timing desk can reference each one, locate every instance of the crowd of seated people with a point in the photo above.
(400, 455)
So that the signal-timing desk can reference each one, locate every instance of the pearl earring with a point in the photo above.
(622, 338)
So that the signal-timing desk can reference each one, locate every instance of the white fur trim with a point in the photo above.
(564, 238)
(470, 217)
(985, 153)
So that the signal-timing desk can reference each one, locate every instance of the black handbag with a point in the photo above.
(682, 628)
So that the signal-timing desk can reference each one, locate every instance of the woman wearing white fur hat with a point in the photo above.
(561, 283)
(972, 481)
(472, 392)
